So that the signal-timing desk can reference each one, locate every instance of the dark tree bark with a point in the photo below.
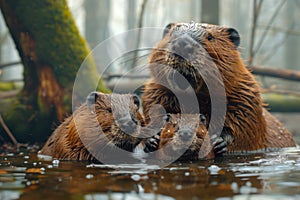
(51, 50)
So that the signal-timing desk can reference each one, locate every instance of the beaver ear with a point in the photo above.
(136, 100)
(92, 98)
(202, 119)
(167, 29)
(234, 36)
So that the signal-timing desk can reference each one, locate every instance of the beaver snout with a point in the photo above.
(183, 45)
(126, 123)
(185, 134)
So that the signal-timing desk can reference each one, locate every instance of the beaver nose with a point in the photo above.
(183, 45)
(185, 134)
(126, 124)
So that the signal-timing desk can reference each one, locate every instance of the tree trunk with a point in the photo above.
(131, 15)
(51, 50)
(210, 11)
(96, 21)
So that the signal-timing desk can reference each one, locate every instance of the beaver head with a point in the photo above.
(184, 133)
(189, 50)
(118, 116)
(120, 108)
(103, 122)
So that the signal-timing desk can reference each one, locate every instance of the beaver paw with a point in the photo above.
(219, 146)
(126, 145)
(152, 144)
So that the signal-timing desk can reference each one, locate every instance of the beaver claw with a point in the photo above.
(221, 142)
(219, 146)
(152, 144)
(126, 145)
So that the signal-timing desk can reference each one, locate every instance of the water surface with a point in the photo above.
(238, 177)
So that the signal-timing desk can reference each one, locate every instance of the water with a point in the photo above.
(247, 177)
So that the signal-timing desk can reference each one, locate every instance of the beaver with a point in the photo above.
(194, 50)
(116, 114)
(187, 135)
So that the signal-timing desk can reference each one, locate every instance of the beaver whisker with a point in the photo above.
(173, 74)
(168, 73)
(136, 59)
(158, 62)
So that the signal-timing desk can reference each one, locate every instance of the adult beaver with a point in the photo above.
(105, 120)
(193, 51)
(187, 135)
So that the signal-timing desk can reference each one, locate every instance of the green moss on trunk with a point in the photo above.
(52, 50)
(57, 39)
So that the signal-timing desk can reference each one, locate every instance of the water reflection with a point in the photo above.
(256, 176)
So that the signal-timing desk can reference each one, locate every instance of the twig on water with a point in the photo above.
(9, 133)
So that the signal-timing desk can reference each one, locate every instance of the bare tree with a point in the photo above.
(210, 11)
(97, 15)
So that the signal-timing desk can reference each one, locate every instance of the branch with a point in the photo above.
(256, 10)
(11, 136)
(9, 94)
(275, 14)
(275, 49)
(10, 64)
(279, 29)
(140, 25)
(284, 92)
(277, 73)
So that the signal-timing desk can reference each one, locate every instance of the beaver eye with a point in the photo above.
(166, 118)
(203, 119)
(167, 29)
(136, 100)
(210, 37)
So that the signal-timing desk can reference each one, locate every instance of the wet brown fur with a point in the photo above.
(200, 141)
(244, 119)
(65, 143)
